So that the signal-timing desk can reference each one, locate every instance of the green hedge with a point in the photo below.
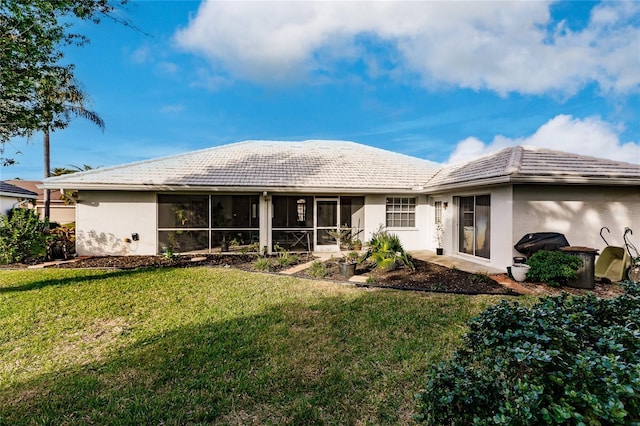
(22, 236)
(565, 360)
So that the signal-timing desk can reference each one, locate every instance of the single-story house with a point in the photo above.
(61, 210)
(12, 196)
(258, 194)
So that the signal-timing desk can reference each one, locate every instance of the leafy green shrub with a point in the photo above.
(22, 236)
(555, 268)
(285, 258)
(318, 269)
(62, 241)
(262, 264)
(386, 252)
(572, 360)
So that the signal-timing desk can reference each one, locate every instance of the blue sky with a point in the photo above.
(444, 81)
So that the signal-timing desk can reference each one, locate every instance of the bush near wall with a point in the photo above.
(565, 360)
(555, 268)
(22, 236)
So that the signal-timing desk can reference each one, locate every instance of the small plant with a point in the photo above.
(555, 268)
(438, 235)
(318, 269)
(386, 252)
(168, 253)
(353, 256)
(22, 236)
(371, 280)
(285, 258)
(262, 264)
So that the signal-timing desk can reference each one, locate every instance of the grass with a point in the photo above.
(215, 346)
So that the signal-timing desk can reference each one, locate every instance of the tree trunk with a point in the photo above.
(47, 173)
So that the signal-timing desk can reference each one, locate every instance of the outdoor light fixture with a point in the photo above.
(445, 204)
(135, 236)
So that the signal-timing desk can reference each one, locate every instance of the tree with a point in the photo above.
(33, 35)
(70, 101)
(59, 171)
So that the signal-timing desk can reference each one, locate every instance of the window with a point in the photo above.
(188, 223)
(438, 212)
(401, 212)
(475, 225)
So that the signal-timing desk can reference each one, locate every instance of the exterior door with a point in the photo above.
(327, 220)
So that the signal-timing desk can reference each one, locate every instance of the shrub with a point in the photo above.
(262, 264)
(386, 252)
(318, 269)
(555, 268)
(573, 360)
(285, 258)
(22, 236)
(62, 242)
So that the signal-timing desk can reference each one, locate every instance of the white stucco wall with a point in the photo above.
(6, 203)
(501, 229)
(578, 212)
(417, 238)
(105, 218)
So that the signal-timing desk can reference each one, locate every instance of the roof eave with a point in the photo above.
(17, 195)
(206, 188)
(537, 179)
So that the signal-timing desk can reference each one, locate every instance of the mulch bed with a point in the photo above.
(426, 277)
(238, 261)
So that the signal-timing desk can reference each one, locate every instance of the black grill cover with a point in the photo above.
(536, 241)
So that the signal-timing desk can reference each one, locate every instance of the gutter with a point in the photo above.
(259, 189)
(557, 180)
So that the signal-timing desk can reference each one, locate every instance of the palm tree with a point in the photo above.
(67, 93)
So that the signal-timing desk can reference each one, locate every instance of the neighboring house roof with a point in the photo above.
(535, 165)
(323, 166)
(32, 186)
(8, 190)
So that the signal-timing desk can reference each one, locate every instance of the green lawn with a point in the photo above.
(221, 346)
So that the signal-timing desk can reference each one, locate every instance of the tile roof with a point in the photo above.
(330, 165)
(32, 185)
(531, 164)
(12, 190)
(340, 166)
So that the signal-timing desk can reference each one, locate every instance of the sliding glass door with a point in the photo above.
(474, 221)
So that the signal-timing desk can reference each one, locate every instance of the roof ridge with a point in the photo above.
(515, 160)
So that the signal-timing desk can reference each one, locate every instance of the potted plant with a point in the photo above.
(438, 237)
(342, 235)
(347, 264)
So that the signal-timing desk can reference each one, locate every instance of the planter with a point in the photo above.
(519, 271)
(347, 269)
(439, 251)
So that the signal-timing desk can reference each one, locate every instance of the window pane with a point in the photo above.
(246, 240)
(401, 212)
(295, 240)
(292, 212)
(234, 211)
(183, 211)
(183, 241)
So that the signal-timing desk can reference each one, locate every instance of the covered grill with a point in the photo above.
(531, 243)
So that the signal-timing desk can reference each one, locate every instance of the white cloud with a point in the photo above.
(501, 46)
(170, 109)
(141, 55)
(589, 136)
